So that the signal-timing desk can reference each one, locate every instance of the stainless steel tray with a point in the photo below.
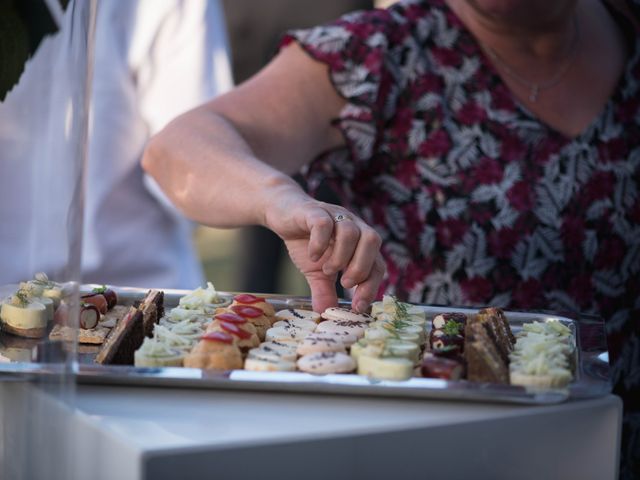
(590, 363)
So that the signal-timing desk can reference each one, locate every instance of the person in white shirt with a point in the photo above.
(154, 59)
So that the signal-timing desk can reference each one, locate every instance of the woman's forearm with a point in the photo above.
(211, 173)
(227, 164)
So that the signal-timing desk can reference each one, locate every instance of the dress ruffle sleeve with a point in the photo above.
(356, 50)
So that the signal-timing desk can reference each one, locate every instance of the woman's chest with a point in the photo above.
(471, 154)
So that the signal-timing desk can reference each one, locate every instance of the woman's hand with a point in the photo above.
(324, 239)
(227, 164)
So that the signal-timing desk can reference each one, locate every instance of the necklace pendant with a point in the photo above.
(533, 95)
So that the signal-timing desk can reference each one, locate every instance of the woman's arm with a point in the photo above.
(227, 164)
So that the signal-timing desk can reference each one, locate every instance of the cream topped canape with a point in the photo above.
(172, 339)
(188, 329)
(23, 316)
(206, 299)
(156, 353)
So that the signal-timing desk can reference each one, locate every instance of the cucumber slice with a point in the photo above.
(385, 368)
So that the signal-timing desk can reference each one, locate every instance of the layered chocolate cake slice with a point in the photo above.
(129, 332)
(487, 347)
(152, 308)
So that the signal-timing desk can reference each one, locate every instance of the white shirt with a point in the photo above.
(154, 59)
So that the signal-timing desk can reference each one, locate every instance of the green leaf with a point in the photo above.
(451, 327)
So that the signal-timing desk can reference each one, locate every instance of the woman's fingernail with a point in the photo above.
(347, 282)
(362, 306)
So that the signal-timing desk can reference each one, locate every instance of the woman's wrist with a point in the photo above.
(277, 198)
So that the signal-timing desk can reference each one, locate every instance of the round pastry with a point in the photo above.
(301, 324)
(259, 363)
(326, 362)
(231, 317)
(245, 338)
(255, 301)
(354, 327)
(285, 334)
(280, 346)
(254, 315)
(282, 356)
(344, 336)
(337, 313)
(155, 353)
(276, 349)
(318, 342)
(216, 350)
(298, 314)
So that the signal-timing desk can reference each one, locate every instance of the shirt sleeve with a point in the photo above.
(178, 54)
(355, 48)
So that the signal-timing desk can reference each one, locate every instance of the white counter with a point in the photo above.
(156, 433)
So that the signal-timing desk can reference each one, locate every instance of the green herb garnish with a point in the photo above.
(451, 327)
(390, 328)
(401, 309)
(399, 324)
(101, 289)
(22, 298)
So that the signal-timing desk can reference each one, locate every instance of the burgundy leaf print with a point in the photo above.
(581, 288)
(437, 144)
(451, 231)
(611, 253)
(613, 150)
(529, 294)
(471, 113)
(520, 196)
(503, 241)
(446, 57)
(440, 154)
(488, 171)
(513, 148)
(600, 186)
(476, 290)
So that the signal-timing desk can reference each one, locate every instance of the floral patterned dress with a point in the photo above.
(476, 200)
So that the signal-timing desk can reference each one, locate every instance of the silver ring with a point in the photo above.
(339, 218)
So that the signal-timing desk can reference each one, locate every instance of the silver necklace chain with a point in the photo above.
(534, 87)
